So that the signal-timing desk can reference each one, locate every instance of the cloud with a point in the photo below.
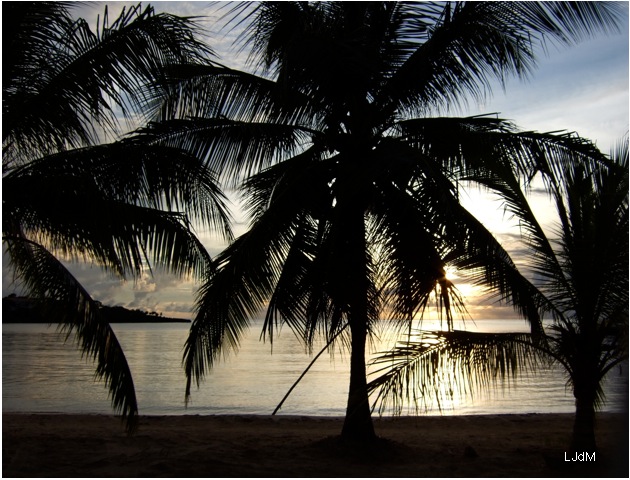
(150, 292)
(582, 88)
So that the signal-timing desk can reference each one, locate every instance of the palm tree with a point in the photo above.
(350, 180)
(123, 206)
(581, 273)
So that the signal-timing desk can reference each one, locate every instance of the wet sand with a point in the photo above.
(51, 445)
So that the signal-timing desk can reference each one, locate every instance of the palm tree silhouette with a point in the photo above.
(123, 205)
(350, 179)
(581, 273)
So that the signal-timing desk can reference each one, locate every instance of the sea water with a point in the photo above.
(43, 373)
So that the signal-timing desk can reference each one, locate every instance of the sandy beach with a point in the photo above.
(45, 445)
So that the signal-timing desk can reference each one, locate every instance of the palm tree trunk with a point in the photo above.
(358, 424)
(583, 438)
(585, 378)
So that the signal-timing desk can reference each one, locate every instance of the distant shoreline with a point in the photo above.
(43, 322)
(25, 310)
(511, 445)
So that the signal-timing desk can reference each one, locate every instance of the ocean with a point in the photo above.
(41, 373)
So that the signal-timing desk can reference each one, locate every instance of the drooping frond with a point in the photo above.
(436, 366)
(410, 249)
(246, 274)
(69, 304)
(300, 181)
(489, 153)
(422, 226)
(133, 171)
(277, 264)
(86, 204)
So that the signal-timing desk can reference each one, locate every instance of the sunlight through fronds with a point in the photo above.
(351, 181)
(431, 367)
(581, 280)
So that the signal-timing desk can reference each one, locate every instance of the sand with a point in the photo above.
(51, 445)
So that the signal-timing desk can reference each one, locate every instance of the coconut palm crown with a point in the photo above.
(348, 172)
(123, 206)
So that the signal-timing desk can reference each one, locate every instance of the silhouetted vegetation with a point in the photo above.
(580, 275)
(350, 175)
(123, 206)
(27, 310)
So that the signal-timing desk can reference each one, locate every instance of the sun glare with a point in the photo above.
(450, 273)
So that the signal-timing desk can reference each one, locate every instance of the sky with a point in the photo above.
(582, 88)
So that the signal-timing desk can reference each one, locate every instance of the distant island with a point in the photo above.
(29, 310)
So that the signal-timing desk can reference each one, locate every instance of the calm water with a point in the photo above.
(41, 374)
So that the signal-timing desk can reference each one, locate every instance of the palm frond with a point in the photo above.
(235, 149)
(461, 47)
(132, 171)
(595, 200)
(568, 22)
(238, 290)
(433, 366)
(485, 143)
(75, 217)
(422, 227)
(410, 253)
(86, 75)
(120, 237)
(308, 290)
(246, 274)
(71, 306)
(214, 91)
(489, 153)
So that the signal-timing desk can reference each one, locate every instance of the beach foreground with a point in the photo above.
(45, 445)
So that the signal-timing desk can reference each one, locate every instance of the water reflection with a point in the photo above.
(41, 374)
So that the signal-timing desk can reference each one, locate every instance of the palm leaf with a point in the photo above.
(86, 75)
(461, 47)
(79, 214)
(133, 171)
(236, 149)
(433, 365)
(71, 306)
(246, 273)
(214, 91)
